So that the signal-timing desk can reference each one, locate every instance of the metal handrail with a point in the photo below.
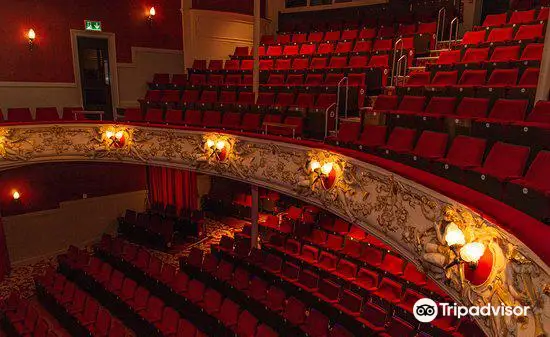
(441, 16)
(326, 118)
(402, 61)
(344, 79)
(455, 20)
(395, 58)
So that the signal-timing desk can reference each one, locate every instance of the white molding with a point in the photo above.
(37, 85)
(358, 3)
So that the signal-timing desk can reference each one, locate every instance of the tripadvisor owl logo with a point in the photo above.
(425, 310)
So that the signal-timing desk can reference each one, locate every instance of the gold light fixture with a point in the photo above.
(16, 195)
(454, 236)
(472, 252)
(323, 172)
(115, 138)
(218, 148)
(31, 35)
(469, 252)
(152, 13)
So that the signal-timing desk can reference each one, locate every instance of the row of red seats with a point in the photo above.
(350, 34)
(25, 319)
(367, 260)
(289, 308)
(148, 228)
(248, 122)
(515, 18)
(500, 36)
(303, 64)
(499, 57)
(229, 81)
(349, 301)
(209, 99)
(501, 83)
(80, 305)
(210, 301)
(150, 308)
(500, 173)
(503, 112)
(41, 114)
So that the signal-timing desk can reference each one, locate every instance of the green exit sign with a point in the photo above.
(94, 26)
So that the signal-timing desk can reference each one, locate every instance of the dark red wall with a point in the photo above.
(234, 6)
(44, 186)
(51, 60)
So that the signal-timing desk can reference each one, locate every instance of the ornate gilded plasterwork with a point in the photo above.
(403, 214)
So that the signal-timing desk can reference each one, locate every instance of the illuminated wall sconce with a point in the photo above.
(116, 139)
(324, 173)
(151, 16)
(16, 196)
(218, 149)
(469, 253)
(31, 35)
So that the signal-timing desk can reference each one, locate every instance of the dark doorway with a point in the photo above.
(95, 76)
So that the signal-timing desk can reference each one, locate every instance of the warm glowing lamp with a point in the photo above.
(119, 135)
(314, 165)
(31, 35)
(16, 195)
(109, 134)
(472, 252)
(326, 169)
(453, 235)
(152, 13)
(220, 145)
(210, 143)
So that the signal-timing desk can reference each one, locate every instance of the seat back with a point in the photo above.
(506, 160)
(473, 107)
(509, 109)
(538, 171)
(431, 145)
(467, 151)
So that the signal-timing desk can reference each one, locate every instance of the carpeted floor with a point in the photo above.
(21, 278)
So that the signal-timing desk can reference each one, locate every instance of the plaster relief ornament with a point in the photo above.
(15, 145)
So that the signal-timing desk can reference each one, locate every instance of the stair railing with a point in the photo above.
(454, 24)
(340, 86)
(395, 58)
(441, 17)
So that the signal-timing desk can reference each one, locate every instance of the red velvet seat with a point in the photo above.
(333, 35)
(343, 47)
(372, 256)
(430, 146)
(350, 303)
(229, 313)
(334, 242)
(300, 63)
(327, 261)
(316, 324)
(308, 280)
(362, 47)
(442, 81)
(154, 116)
(417, 80)
(367, 279)
(346, 269)
(307, 49)
(398, 327)
(275, 299)
(47, 114)
(505, 54)
(373, 136)
(275, 51)
(211, 119)
(19, 115)
(500, 35)
(401, 140)
(366, 33)
(193, 118)
(384, 45)
(393, 264)
(241, 51)
(495, 20)
(328, 291)
(521, 17)
(389, 291)
(373, 316)
(325, 48)
(473, 37)
(465, 153)
(530, 33)
(352, 248)
(449, 57)
(231, 65)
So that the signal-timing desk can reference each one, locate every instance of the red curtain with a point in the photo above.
(5, 265)
(169, 186)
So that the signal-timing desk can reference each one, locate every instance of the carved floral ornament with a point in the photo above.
(410, 218)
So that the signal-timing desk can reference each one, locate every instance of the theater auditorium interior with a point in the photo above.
(255, 168)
